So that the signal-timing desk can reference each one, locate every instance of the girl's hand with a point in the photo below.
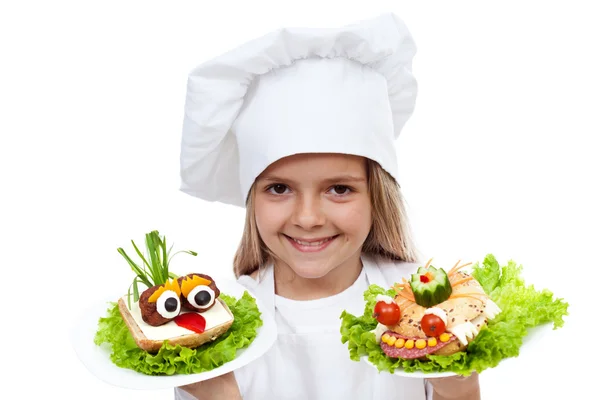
(222, 387)
(456, 387)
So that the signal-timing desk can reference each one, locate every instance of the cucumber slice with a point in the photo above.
(430, 286)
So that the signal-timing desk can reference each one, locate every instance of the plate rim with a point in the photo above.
(266, 337)
(533, 334)
(417, 374)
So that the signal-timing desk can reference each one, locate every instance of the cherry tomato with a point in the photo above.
(432, 325)
(386, 313)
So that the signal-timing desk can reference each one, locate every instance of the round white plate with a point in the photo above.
(527, 350)
(416, 374)
(97, 358)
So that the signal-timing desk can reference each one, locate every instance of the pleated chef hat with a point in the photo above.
(297, 90)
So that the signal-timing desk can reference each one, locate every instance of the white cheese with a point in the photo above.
(464, 332)
(468, 330)
(439, 312)
(384, 298)
(216, 316)
(379, 331)
(491, 309)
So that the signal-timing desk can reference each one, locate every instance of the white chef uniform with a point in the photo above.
(308, 360)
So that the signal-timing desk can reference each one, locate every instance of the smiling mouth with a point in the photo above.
(313, 242)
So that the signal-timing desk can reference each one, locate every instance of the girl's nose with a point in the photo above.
(308, 213)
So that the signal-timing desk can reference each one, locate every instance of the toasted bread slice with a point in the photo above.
(192, 340)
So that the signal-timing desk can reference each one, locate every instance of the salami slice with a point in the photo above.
(408, 354)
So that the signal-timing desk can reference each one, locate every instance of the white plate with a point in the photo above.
(97, 358)
(527, 350)
(416, 374)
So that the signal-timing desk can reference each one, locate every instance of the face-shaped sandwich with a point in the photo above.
(437, 313)
(163, 303)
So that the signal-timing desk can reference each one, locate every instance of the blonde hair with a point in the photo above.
(390, 235)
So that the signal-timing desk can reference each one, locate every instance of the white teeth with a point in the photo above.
(379, 331)
(491, 309)
(313, 244)
(464, 331)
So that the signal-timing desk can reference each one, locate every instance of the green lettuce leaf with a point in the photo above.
(124, 352)
(523, 307)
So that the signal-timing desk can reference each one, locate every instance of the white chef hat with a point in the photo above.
(297, 90)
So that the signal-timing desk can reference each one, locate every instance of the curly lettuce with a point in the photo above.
(113, 333)
(523, 307)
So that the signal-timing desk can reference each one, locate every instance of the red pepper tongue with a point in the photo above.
(192, 321)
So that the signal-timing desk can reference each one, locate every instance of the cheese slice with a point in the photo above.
(217, 315)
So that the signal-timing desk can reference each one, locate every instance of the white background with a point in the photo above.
(500, 157)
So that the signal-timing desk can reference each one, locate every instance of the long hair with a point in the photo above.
(389, 237)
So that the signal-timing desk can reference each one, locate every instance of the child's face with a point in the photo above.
(313, 211)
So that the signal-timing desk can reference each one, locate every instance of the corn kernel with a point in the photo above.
(421, 343)
(399, 343)
(409, 344)
(444, 337)
(385, 338)
(431, 342)
(391, 340)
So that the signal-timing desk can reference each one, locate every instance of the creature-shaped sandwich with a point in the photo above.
(181, 310)
(434, 313)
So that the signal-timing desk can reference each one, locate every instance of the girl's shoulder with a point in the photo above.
(249, 281)
(255, 278)
(394, 270)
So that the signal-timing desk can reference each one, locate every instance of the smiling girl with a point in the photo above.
(313, 213)
(299, 127)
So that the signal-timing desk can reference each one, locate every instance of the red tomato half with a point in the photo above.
(432, 325)
(386, 313)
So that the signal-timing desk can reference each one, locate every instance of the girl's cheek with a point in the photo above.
(271, 216)
(351, 215)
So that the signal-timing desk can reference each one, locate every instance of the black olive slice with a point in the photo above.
(201, 297)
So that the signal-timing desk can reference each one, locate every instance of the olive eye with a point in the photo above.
(168, 304)
(201, 297)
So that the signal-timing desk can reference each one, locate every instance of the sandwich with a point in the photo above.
(435, 313)
(449, 322)
(167, 324)
(185, 311)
